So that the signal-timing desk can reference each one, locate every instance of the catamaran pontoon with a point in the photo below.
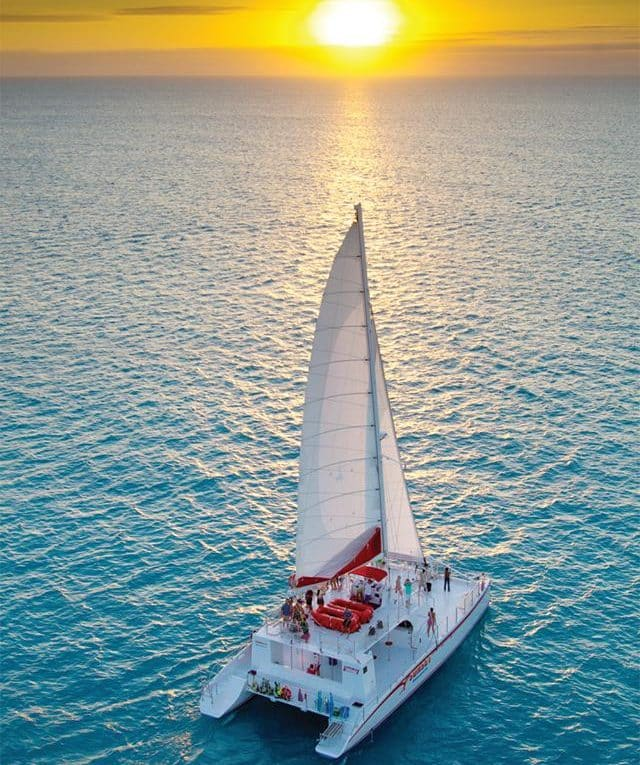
(388, 620)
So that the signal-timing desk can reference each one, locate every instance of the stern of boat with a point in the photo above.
(228, 689)
(335, 739)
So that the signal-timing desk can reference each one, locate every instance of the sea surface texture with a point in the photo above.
(164, 249)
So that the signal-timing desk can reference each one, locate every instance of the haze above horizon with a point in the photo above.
(314, 39)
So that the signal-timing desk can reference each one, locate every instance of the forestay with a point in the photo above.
(343, 518)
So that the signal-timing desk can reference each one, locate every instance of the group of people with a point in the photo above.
(294, 615)
(368, 591)
(295, 612)
(405, 588)
(336, 583)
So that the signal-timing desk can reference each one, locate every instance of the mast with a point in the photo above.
(371, 344)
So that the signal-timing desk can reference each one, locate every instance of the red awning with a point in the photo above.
(370, 572)
(371, 548)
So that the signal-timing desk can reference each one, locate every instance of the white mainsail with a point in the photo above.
(349, 448)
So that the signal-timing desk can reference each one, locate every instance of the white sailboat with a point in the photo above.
(387, 617)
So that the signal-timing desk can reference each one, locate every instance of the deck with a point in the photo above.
(449, 608)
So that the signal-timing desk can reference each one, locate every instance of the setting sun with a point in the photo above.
(355, 23)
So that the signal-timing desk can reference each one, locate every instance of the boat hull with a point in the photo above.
(228, 690)
(421, 671)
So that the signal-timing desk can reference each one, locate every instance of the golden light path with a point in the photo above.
(355, 23)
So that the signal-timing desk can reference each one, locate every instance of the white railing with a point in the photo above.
(468, 601)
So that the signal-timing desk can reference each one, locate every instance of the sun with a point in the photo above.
(355, 23)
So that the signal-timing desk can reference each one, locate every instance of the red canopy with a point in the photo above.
(371, 548)
(370, 572)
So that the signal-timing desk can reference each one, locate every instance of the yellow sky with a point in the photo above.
(274, 37)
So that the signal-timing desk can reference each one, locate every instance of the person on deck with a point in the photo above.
(298, 611)
(346, 619)
(447, 578)
(308, 596)
(319, 598)
(398, 587)
(431, 622)
(408, 587)
(286, 610)
(304, 626)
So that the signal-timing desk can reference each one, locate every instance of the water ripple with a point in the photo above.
(164, 248)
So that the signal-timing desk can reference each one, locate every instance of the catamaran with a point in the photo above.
(368, 618)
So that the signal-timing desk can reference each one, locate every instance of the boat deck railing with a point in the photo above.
(339, 643)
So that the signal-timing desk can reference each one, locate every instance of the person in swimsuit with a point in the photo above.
(431, 622)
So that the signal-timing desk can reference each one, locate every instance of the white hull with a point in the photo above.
(406, 687)
(230, 688)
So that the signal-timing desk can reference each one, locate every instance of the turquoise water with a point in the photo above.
(164, 248)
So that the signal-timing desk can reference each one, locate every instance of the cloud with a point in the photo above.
(560, 37)
(142, 10)
(179, 10)
(584, 29)
(45, 18)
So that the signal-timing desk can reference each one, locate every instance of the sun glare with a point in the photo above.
(355, 23)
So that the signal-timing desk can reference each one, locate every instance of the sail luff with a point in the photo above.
(373, 349)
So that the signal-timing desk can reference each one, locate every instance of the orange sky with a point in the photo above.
(274, 38)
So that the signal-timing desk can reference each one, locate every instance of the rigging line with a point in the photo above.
(339, 395)
(394, 460)
(336, 430)
(306, 514)
(343, 278)
(342, 528)
(335, 361)
(341, 326)
(357, 449)
(332, 464)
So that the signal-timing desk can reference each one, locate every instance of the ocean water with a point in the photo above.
(164, 248)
